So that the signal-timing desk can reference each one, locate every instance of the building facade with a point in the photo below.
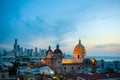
(72, 65)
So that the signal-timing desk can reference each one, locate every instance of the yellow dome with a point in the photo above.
(79, 52)
(79, 48)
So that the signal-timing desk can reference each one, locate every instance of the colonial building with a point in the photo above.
(71, 65)
(54, 59)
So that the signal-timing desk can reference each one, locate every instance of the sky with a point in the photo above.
(40, 23)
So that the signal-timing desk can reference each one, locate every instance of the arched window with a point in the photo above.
(64, 68)
(78, 56)
(72, 68)
(82, 56)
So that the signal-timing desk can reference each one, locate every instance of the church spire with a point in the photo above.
(49, 48)
(57, 47)
(79, 41)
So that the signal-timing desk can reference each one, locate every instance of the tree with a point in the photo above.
(109, 70)
(102, 64)
(13, 69)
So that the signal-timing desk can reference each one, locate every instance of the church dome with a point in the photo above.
(79, 45)
(49, 53)
(79, 52)
(79, 48)
(57, 51)
(89, 61)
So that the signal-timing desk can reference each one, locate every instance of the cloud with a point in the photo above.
(100, 46)
(116, 45)
(43, 23)
(112, 47)
(43, 33)
(5, 46)
(41, 26)
(109, 49)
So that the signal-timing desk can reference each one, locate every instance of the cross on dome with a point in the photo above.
(79, 41)
(57, 47)
(49, 48)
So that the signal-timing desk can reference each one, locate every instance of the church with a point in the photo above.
(77, 64)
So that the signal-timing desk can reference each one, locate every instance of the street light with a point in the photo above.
(52, 72)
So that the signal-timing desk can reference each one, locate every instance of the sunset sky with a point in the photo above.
(40, 23)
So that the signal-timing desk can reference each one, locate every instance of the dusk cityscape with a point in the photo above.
(59, 40)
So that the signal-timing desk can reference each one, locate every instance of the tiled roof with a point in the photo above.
(97, 76)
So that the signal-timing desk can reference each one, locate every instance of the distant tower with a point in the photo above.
(25, 52)
(36, 51)
(16, 48)
(15, 45)
(15, 41)
(79, 52)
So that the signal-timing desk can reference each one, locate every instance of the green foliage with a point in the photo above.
(109, 70)
(13, 69)
(93, 71)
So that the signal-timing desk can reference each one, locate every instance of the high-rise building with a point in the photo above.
(25, 52)
(30, 52)
(36, 52)
(21, 51)
(16, 48)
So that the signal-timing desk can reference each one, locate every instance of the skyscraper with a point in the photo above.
(36, 51)
(16, 48)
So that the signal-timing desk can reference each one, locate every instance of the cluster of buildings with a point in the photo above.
(20, 51)
(79, 67)
(77, 64)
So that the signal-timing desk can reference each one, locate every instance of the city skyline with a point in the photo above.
(43, 23)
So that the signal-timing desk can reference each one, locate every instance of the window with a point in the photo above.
(58, 62)
(78, 56)
(71, 67)
(82, 56)
(64, 68)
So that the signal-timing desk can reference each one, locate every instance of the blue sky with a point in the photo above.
(40, 23)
